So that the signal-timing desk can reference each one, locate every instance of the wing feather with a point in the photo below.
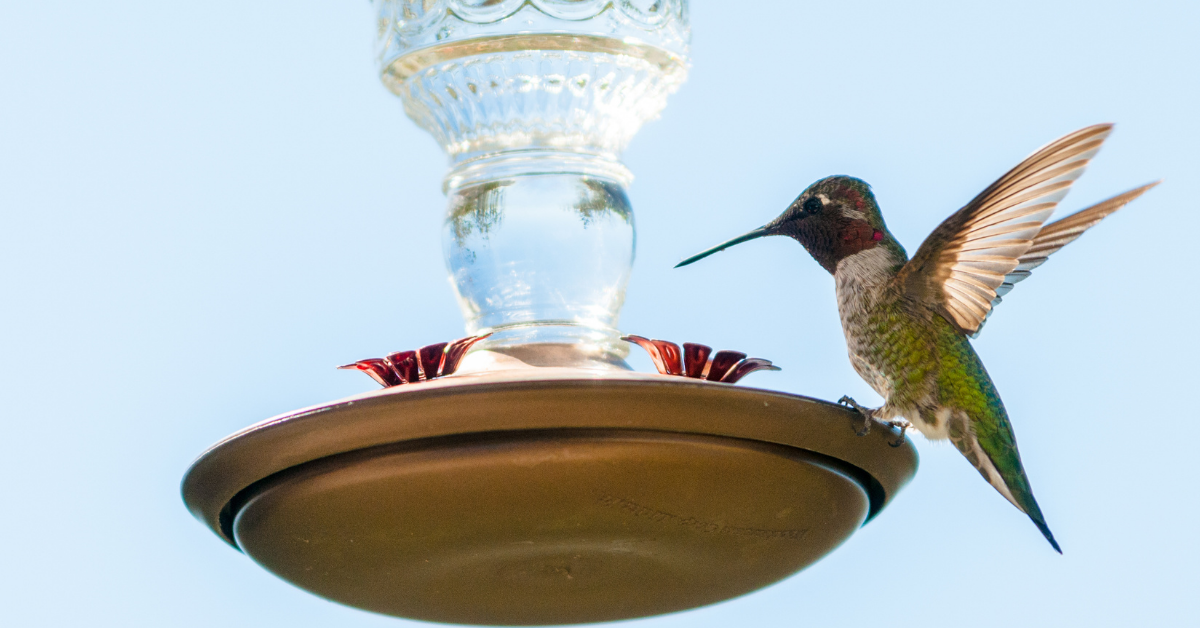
(1020, 230)
(1024, 213)
(1058, 234)
(968, 259)
(985, 263)
(987, 281)
(1008, 247)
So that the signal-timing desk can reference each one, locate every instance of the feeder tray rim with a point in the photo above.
(260, 451)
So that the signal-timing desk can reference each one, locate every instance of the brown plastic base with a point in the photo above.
(576, 497)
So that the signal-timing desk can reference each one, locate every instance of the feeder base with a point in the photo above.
(575, 497)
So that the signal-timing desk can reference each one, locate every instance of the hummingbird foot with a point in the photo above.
(903, 425)
(868, 414)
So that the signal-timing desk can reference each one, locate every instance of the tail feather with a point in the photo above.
(1036, 516)
(998, 461)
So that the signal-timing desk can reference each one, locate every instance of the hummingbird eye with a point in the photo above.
(812, 206)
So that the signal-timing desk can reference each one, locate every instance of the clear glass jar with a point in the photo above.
(533, 101)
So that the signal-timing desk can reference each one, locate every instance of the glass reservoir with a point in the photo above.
(533, 101)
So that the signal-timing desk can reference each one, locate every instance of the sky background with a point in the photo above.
(198, 208)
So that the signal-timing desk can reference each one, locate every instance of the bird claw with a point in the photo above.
(869, 417)
(867, 414)
(903, 425)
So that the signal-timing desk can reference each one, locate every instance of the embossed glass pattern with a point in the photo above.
(534, 101)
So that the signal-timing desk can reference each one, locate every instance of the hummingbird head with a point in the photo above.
(834, 218)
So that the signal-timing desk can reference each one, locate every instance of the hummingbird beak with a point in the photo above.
(757, 233)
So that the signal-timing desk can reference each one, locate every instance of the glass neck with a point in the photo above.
(540, 248)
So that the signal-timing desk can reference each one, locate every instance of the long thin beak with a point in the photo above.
(757, 233)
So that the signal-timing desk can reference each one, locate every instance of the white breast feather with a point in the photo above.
(859, 279)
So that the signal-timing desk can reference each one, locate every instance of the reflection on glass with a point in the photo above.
(541, 250)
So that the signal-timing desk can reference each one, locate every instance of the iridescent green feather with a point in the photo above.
(964, 383)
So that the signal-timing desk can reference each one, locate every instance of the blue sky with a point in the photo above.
(196, 200)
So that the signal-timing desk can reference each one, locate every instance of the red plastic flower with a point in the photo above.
(699, 362)
(409, 367)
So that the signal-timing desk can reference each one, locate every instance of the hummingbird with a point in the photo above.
(908, 322)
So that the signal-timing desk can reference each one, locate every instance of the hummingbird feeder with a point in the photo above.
(525, 475)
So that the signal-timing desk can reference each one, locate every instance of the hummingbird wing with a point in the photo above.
(959, 267)
(1058, 234)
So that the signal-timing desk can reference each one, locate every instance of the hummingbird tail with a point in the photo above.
(1035, 515)
(998, 462)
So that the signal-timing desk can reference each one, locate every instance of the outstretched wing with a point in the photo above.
(1058, 234)
(960, 266)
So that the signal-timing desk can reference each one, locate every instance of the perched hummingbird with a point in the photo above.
(907, 322)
